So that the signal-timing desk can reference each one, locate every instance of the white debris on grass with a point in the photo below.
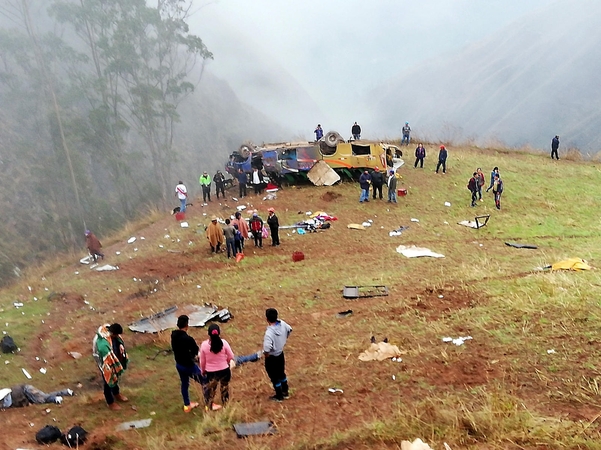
(26, 374)
(335, 391)
(447, 203)
(43, 371)
(184, 224)
(551, 351)
(18, 305)
(415, 252)
(106, 268)
(457, 341)
(366, 224)
(241, 207)
(131, 240)
(413, 219)
(117, 253)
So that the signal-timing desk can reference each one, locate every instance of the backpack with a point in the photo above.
(74, 437)
(8, 345)
(48, 435)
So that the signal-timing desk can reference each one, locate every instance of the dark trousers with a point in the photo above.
(444, 166)
(377, 187)
(185, 373)
(242, 190)
(229, 243)
(110, 392)
(206, 193)
(420, 161)
(275, 235)
(275, 366)
(220, 187)
(95, 256)
(497, 199)
(239, 245)
(258, 238)
(221, 377)
(479, 192)
(216, 249)
(258, 188)
(474, 197)
(554, 152)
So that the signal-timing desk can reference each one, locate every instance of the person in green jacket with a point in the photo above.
(109, 353)
(205, 183)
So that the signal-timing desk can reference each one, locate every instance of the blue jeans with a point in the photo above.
(392, 195)
(231, 246)
(246, 358)
(185, 373)
(364, 195)
(182, 208)
(405, 137)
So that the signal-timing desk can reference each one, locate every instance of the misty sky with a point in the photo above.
(338, 50)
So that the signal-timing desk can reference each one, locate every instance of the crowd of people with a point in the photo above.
(209, 365)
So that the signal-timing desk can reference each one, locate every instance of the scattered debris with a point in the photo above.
(354, 292)
(415, 252)
(321, 174)
(270, 196)
(477, 223)
(298, 256)
(184, 224)
(131, 240)
(380, 352)
(144, 423)
(551, 351)
(568, 264)
(457, 341)
(335, 391)
(75, 355)
(516, 245)
(355, 226)
(26, 374)
(254, 429)
(397, 359)
(418, 444)
(43, 371)
(447, 203)
(366, 224)
(241, 207)
(413, 219)
(86, 259)
(398, 231)
(346, 313)
(167, 319)
(18, 305)
(106, 268)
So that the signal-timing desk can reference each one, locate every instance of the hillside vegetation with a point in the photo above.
(504, 389)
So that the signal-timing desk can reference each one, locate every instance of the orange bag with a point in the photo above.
(239, 257)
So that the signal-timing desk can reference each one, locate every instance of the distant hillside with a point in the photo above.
(535, 78)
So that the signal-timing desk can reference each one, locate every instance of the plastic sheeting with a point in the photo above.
(167, 319)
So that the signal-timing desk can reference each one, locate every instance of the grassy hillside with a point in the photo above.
(503, 389)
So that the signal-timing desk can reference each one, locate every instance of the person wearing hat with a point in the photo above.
(93, 245)
(182, 194)
(318, 133)
(274, 227)
(26, 394)
(377, 181)
(256, 226)
(391, 187)
(364, 182)
(205, 184)
(442, 159)
(555, 147)
(109, 353)
(215, 356)
(185, 352)
(406, 132)
(215, 235)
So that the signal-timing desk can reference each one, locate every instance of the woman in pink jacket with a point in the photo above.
(215, 356)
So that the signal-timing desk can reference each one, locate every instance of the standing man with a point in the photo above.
(364, 182)
(276, 335)
(219, 180)
(442, 159)
(257, 181)
(182, 194)
(406, 132)
(391, 187)
(215, 235)
(472, 185)
(205, 183)
(481, 182)
(356, 131)
(420, 155)
(555, 147)
(377, 181)
(242, 180)
(93, 245)
(109, 353)
(497, 190)
(274, 227)
(318, 133)
(230, 238)
(185, 351)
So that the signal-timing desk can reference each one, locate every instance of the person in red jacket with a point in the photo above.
(256, 226)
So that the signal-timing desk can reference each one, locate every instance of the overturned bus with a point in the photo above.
(291, 160)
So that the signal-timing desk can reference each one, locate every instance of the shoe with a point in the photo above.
(481, 199)
(121, 398)
(286, 396)
(70, 392)
(190, 407)
(58, 399)
(216, 407)
(259, 354)
(275, 398)
(114, 407)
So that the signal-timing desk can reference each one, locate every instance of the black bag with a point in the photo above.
(8, 345)
(48, 435)
(74, 437)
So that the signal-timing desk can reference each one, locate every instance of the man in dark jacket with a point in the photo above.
(420, 154)
(555, 147)
(497, 190)
(219, 180)
(472, 185)
(391, 187)
(442, 159)
(242, 180)
(356, 131)
(274, 227)
(377, 181)
(185, 351)
(364, 182)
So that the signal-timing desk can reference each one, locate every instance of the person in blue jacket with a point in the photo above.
(318, 133)
(242, 180)
(364, 182)
(494, 172)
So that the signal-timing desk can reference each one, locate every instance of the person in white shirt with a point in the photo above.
(182, 194)
(257, 181)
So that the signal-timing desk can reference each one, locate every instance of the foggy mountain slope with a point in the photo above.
(532, 80)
